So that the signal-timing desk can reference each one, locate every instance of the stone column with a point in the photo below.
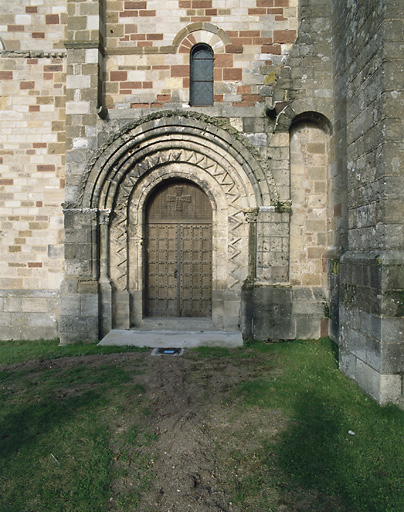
(105, 286)
(251, 216)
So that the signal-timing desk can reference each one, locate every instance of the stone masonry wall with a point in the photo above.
(32, 134)
(302, 96)
(26, 25)
(308, 167)
(308, 100)
(371, 285)
(148, 45)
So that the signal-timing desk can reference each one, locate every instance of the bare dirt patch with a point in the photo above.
(193, 444)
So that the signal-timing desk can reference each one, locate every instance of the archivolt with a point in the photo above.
(210, 153)
(213, 177)
(292, 115)
(130, 151)
(203, 32)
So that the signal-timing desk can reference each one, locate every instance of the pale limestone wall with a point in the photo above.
(26, 25)
(308, 227)
(148, 44)
(31, 172)
(32, 135)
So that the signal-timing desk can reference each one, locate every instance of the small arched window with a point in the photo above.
(201, 83)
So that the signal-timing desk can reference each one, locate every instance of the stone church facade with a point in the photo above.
(240, 160)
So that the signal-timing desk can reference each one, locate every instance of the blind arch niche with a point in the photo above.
(201, 79)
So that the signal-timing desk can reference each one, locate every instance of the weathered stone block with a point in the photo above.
(70, 305)
(89, 305)
(43, 323)
(267, 312)
(87, 287)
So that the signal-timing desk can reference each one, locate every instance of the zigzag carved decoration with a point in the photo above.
(118, 233)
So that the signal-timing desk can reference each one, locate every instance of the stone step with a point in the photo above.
(173, 338)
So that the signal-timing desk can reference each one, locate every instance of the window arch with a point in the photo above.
(201, 83)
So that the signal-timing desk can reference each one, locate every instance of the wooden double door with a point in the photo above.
(179, 252)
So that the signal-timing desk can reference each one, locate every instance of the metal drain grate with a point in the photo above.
(167, 352)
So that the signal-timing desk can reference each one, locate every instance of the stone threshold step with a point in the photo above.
(172, 338)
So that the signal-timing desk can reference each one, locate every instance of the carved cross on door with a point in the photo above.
(179, 199)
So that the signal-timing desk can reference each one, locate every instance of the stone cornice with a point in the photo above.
(84, 45)
(34, 54)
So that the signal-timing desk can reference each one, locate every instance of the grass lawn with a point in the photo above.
(277, 428)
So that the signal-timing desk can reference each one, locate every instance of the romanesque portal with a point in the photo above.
(171, 211)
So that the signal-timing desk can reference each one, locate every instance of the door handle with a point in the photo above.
(175, 273)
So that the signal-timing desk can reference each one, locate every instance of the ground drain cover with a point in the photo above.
(167, 352)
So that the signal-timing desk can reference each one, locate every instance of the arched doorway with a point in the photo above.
(106, 240)
(178, 251)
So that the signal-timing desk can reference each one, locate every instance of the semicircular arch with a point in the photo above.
(291, 114)
(205, 33)
(229, 197)
(139, 147)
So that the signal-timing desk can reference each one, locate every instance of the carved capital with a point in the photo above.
(251, 214)
(283, 206)
(79, 211)
(105, 216)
